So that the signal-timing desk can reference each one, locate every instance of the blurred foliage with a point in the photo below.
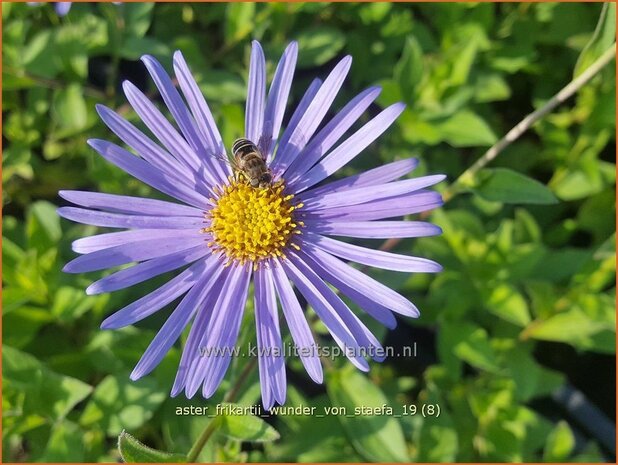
(528, 249)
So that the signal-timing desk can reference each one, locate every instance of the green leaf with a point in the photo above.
(66, 444)
(560, 443)
(239, 21)
(466, 129)
(43, 225)
(119, 403)
(319, 44)
(474, 348)
(507, 303)
(133, 451)
(508, 186)
(246, 427)
(377, 438)
(409, 69)
(134, 47)
(604, 36)
(70, 108)
(46, 392)
(137, 17)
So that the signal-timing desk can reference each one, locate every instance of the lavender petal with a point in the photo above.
(125, 204)
(119, 220)
(333, 322)
(157, 299)
(364, 194)
(143, 171)
(297, 323)
(390, 207)
(146, 270)
(380, 175)
(277, 99)
(270, 349)
(373, 229)
(331, 133)
(175, 324)
(127, 253)
(352, 278)
(348, 149)
(286, 153)
(256, 94)
(370, 257)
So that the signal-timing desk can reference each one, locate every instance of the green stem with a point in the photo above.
(565, 93)
(203, 438)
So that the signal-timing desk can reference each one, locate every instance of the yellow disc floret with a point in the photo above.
(251, 224)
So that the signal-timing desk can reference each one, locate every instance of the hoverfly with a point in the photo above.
(248, 162)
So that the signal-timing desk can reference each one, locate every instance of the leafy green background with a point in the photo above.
(526, 302)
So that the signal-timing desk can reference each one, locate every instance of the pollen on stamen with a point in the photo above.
(252, 224)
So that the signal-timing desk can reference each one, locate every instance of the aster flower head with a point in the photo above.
(224, 233)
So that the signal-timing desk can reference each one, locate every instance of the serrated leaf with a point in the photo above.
(133, 451)
(377, 438)
(508, 186)
(246, 427)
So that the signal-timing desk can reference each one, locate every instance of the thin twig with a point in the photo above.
(565, 93)
(521, 127)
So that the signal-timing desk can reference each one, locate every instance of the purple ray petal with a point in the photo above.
(256, 94)
(370, 257)
(300, 110)
(185, 121)
(380, 175)
(175, 324)
(203, 117)
(145, 147)
(159, 298)
(297, 323)
(143, 171)
(390, 207)
(119, 220)
(373, 229)
(219, 339)
(364, 194)
(277, 99)
(199, 328)
(331, 133)
(271, 357)
(217, 366)
(351, 277)
(333, 322)
(347, 150)
(361, 298)
(63, 8)
(286, 153)
(146, 270)
(131, 252)
(105, 241)
(359, 331)
(125, 204)
(161, 127)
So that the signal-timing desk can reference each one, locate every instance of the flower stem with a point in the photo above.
(201, 441)
(525, 124)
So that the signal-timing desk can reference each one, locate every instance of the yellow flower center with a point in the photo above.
(251, 224)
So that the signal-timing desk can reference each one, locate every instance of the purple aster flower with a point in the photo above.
(224, 232)
(62, 8)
